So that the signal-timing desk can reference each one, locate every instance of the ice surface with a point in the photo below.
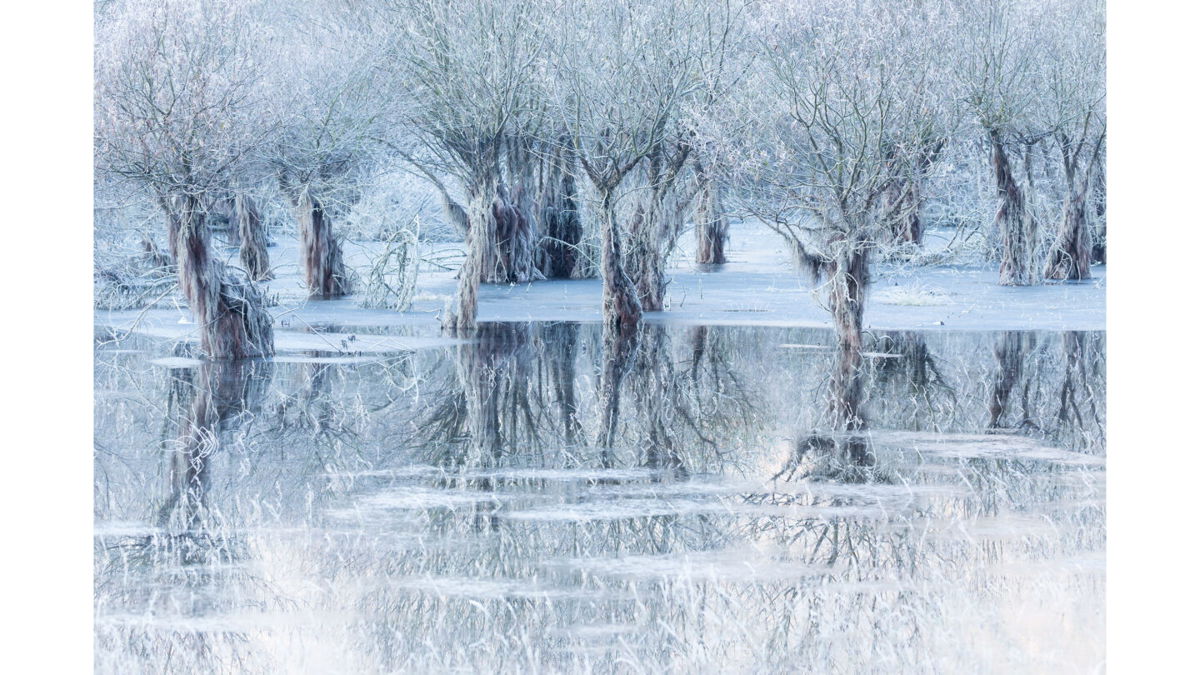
(362, 512)
(1004, 446)
(758, 286)
(177, 362)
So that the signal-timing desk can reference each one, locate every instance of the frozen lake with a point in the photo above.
(379, 499)
(758, 286)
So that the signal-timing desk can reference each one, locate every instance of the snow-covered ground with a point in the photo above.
(759, 286)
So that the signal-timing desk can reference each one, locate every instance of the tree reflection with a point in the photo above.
(1011, 350)
(908, 387)
(211, 400)
(488, 497)
(1080, 397)
(189, 566)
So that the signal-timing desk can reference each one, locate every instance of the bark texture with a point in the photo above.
(1013, 221)
(622, 309)
(1071, 254)
(645, 263)
(510, 232)
(903, 199)
(461, 318)
(904, 194)
(321, 253)
(712, 225)
(501, 237)
(558, 208)
(655, 226)
(847, 295)
(230, 312)
(253, 236)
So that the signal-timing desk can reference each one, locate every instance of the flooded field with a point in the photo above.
(526, 502)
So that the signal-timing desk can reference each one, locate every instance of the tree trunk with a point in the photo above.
(622, 310)
(907, 228)
(461, 319)
(646, 258)
(910, 228)
(512, 231)
(1100, 238)
(231, 314)
(321, 254)
(712, 225)
(512, 238)
(560, 223)
(655, 226)
(1013, 221)
(901, 206)
(1071, 255)
(173, 227)
(847, 294)
(253, 236)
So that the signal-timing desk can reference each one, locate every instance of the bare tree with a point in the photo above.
(252, 235)
(1000, 50)
(1075, 111)
(852, 98)
(728, 52)
(332, 104)
(559, 212)
(471, 105)
(176, 113)
(905, 191)
(624, 72)
(660, 205)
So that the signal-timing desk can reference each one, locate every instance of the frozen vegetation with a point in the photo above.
(446, 507)
(603, 336)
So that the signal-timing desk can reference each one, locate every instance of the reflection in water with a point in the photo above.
(1012, 348)
(209, 401)
(546, 497)
(186, 559)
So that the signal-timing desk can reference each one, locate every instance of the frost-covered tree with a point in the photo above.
(546, 126)
(252, 236)
(838, 112)
(624, 73)
(330, 104)
(178, 113)
(1074, 112)
(473, 112)
(728, 51)
(1001, 47)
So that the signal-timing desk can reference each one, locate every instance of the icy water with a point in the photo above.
(491, 506)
